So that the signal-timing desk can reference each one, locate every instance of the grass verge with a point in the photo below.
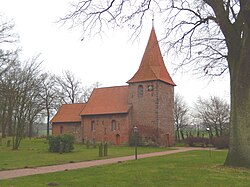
(194, 168)
(34, 153)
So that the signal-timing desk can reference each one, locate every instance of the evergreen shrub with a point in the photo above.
(61, 143)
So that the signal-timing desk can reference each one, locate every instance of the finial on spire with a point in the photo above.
(153, 19)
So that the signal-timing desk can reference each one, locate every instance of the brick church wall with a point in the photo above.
(73, 128)
(103, 128)
(166, 113)
(152, 113)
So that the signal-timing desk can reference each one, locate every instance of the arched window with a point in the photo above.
(140, 91)
(93, 126)
(113, 125)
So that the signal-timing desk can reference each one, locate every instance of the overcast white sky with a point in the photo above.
(111, 60)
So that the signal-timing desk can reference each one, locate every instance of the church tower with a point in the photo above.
(151, 94)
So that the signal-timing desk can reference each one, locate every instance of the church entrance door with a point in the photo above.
(117, 139)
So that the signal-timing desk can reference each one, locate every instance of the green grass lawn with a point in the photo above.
(34, 152)
(194, 168)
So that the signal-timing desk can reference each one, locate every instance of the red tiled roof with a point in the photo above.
(69, 113)
(111, 100)
(152, 65)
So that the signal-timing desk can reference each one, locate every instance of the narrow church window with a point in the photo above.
(140, 91)
(113, 125)
(93, 126)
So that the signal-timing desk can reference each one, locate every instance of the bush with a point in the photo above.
(197, 141)
(62, 143)
(54, 144)
(221, 142)
(142, 141)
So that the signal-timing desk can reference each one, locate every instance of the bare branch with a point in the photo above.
(189, 25)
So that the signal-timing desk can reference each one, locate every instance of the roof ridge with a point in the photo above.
(72, 103)
(111, 87)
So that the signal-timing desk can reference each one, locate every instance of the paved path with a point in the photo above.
(71, 166)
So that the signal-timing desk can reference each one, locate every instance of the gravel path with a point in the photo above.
(8, 174)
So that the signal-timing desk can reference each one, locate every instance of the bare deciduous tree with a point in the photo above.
(20, 99)
(26, 91)
(7, 34)
(8, 61)
(181, 118)
(88, 90)
(214, 36)
(69, 87)
(7, 101)
(214, 113)
(8, 55)
(49, 95)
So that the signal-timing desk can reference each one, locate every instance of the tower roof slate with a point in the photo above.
(152, 66)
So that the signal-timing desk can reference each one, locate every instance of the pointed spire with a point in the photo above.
(152, 66)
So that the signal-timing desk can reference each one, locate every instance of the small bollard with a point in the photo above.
(94, 143)
(87, 144)
(8, 143)
(106, 149)
(100, 150)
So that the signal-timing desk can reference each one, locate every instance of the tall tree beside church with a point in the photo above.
(26, 103)
(49, 96)
(213, 113)
(214, 36)
(8, 61)
(69, 87)
(181, 113)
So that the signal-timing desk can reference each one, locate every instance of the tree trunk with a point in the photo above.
(198, 131)
(30, 128)
(48, 118)
(216, 130)
(221, 130)
(3, 127)
(3, 130)
(239, 148)
(9, 121)
(182, 135)
(178, 133)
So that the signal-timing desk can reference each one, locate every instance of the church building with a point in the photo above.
(145, 103)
